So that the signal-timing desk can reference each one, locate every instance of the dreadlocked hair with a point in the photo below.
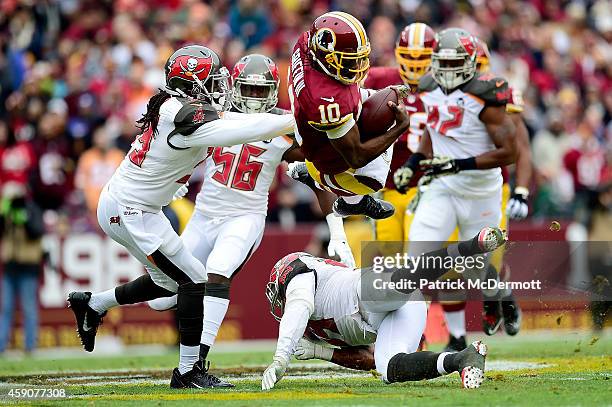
(151, 117)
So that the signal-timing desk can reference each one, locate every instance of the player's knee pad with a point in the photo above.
(190, 312)
(140, 290)
(405, 367)
(219, 290)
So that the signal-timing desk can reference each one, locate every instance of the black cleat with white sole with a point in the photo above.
(471, 362)
(88, 320)
(197, 378)
(368, 206)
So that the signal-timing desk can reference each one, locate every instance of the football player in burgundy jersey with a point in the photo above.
(181, 122)
(470, 136)
(413, 51)
(327, 65)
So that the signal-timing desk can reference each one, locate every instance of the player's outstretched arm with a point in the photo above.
(357, 153)
(237, 128)
(299, 306)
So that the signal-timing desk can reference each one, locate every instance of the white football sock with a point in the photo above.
(103, 301)
(188, 355)
(215, 309)
(354, 199)
(455, 321)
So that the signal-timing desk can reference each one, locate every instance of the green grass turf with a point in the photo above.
(578, 370)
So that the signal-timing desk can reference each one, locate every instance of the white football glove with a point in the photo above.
(337, 241)
(342, 250)
(273, 374)
(517, 205)
(305, 350)
(181, 192)
(402, 177)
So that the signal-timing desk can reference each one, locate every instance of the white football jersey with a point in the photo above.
(237, 179)
(456, 131)
(158, 164)
(336, 318)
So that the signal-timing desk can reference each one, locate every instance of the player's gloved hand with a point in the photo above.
(440, 166)
(305, 350)
(338, 245)
(402, 91)
(341, 249)
(181, 192)
(273, 373)
(402, 121)
(517, 206)
(402, 178)
(404, 174)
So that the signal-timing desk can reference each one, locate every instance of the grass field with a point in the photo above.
(544, 370)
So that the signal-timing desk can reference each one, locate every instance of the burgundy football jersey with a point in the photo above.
(381, 77)
(319, 103)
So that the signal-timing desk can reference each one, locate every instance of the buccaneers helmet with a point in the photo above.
(195, 71)
(255, 81)
(340, 47)
(413, 51)
(482, 56)
(453, 61)
(275, 289)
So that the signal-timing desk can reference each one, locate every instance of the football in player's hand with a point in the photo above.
(376, 116)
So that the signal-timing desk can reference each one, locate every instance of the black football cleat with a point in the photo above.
(197, 378)
(491, 316)
(88, 320)
(368, 206)
(471, 362)
(455, 344)
(512, 315)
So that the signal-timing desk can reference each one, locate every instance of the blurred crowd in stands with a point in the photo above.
(75, 75)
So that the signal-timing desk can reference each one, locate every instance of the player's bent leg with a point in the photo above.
(354, 191)
(469, 363)
(393, 337)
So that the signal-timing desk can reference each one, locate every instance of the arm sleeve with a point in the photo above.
(237, 128)
(298, 309)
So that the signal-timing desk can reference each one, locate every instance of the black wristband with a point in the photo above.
(414, 160)
(466, 164)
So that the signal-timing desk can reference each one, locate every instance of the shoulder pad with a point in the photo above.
(516, 104)
(493, 90)
(192, 115)
(427, 83)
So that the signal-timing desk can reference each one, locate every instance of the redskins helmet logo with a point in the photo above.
(325, 39)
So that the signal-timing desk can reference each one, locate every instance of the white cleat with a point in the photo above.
(489, 239)
(473, 361)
